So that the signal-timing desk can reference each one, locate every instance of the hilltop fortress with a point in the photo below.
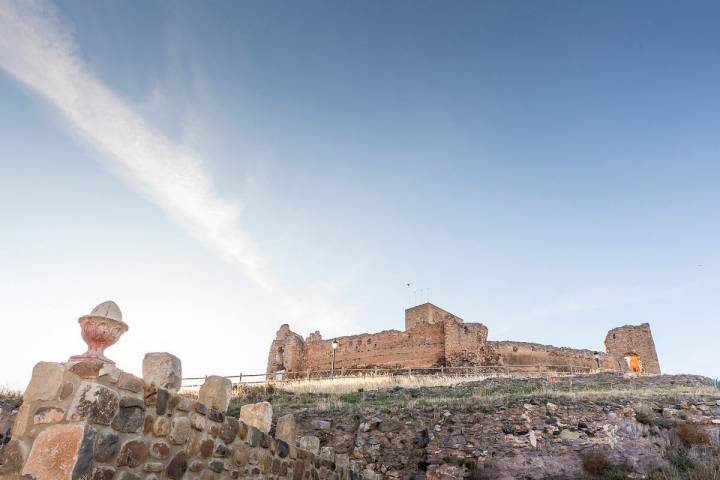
(435, 338)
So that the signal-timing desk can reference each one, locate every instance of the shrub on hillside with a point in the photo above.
(598, 464)
(692, 434)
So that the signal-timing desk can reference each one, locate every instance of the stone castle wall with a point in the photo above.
(421, 346)
(532, 354)
(434, 337)
(92, 421)
(635, 340)
(427, 313)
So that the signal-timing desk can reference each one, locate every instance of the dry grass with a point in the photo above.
(389, 393)
(367, 383)
(694, 463)
(8, 394)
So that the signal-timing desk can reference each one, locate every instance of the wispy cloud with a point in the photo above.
(604, 297)
(39, 50)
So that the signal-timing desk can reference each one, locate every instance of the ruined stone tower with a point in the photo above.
(633, 348)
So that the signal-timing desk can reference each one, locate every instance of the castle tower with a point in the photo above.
(633, 348)
(427, 313)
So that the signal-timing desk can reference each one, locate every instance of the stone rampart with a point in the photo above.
(421, 346)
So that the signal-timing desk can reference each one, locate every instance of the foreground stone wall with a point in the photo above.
(434, 337)
(87, 420)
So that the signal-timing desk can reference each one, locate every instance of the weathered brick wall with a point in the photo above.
(633, 339)
(524, 353)
(435, 337)
(427, 313)
(465, 344)
(422, 346)
(94, 422)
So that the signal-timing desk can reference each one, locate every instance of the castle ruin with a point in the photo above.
(435, 338)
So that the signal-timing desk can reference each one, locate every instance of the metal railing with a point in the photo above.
(338, 373)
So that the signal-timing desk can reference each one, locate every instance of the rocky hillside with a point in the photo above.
(598, 426)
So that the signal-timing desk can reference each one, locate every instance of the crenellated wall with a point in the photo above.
(434, 337)
(91, 421)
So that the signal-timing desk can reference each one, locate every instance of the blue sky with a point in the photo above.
(220, 168)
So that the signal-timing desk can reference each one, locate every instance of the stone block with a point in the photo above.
(229, 429)
(86, 369)
(61, 452)
(46, 382)
(160, 450)
(258, 415)
(48, 415)
(131, 416)
(286, 429)
(310, 443)
(12, 456)
(103, 473)
(107, 445)
(177, 466)
(94, 402)
(161, 427)
(163, 370)
(133, 453)
(215, 392)
(131, 383)
(180, 430)
(22, 421)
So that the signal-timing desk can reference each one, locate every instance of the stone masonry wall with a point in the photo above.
(422, 346)
(531, 354)
(427, 313)
(465, 344)
(436, 338)
(93, 421)
(633, 339)
(286, 351)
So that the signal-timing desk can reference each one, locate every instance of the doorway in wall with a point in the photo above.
(633, 362)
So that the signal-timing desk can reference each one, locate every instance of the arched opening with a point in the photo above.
(633, 362)
(280, 359)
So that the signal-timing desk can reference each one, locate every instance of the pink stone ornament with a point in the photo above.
(100, 329)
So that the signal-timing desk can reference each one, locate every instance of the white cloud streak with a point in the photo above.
(40, 52)
(604, 297)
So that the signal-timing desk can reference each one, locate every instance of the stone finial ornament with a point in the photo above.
(100, 329)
